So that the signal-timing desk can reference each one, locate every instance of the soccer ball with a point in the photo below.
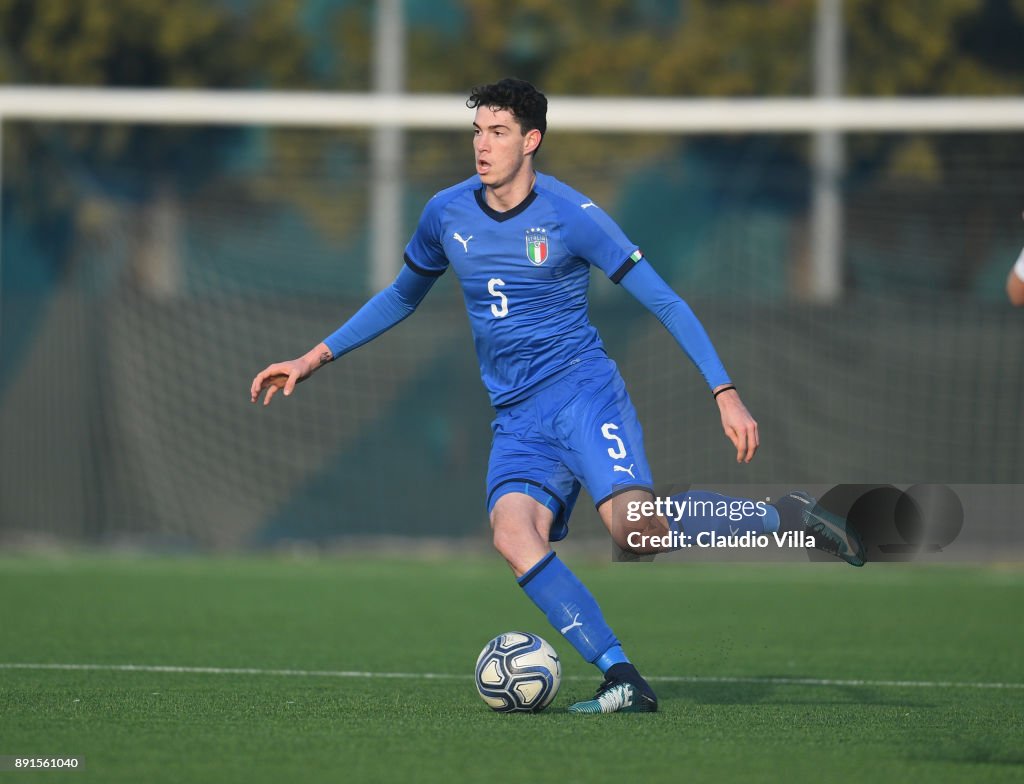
(518, 672)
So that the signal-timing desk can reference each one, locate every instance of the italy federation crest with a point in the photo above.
(537, 245)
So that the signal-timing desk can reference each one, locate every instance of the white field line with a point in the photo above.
(161, 668)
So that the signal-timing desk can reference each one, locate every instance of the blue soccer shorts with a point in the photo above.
(581, 430)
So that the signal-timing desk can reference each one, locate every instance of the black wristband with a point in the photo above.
(726, 388)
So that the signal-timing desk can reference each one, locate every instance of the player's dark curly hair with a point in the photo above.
(526, 103)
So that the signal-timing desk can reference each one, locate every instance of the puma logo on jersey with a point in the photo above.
(588, 204)
(465, 242)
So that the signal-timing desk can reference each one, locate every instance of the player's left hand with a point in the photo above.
(739, 425)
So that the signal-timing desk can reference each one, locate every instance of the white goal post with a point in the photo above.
(444, 111)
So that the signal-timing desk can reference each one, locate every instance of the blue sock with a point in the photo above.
(722, 515)
(614, 655)
(571, 609)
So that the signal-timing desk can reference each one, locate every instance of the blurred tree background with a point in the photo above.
(592, 47)
(58, 177)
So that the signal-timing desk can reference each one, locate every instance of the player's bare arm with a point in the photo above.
(739, 425)
(1015, 281)
(1015, 284)
(285, 375)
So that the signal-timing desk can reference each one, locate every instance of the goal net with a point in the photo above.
(150, 270)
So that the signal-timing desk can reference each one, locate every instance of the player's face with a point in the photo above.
(500, 146)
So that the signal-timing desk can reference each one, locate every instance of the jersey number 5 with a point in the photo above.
(499, 308)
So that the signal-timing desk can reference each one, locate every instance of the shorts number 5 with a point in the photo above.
(608, 431)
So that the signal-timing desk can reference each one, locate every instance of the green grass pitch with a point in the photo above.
(765, 673)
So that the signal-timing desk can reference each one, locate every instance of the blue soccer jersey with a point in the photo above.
(524, 275)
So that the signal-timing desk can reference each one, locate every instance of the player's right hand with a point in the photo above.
(280, 375)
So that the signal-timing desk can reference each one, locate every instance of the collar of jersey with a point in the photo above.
(507, 214)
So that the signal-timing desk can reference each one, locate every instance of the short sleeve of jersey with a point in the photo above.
(424, 253)
(595, 237)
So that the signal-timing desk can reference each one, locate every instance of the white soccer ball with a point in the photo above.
(518, 671)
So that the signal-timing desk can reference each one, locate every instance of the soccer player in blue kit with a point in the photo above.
(522, 244)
